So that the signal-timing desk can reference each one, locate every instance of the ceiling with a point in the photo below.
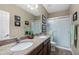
(34, 12)
(49, 7)
(56, 7)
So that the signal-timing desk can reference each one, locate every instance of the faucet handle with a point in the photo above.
(17, 40)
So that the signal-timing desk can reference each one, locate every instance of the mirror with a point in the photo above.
(13, 20)
(11, 28)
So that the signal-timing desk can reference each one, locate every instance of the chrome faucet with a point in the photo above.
(17, 40)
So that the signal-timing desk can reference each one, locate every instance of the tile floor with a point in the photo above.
(60, 52)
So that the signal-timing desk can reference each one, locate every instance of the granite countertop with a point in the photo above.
(5, 50)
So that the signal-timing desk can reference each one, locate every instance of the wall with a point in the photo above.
(42, 11)
(74, 8)
(56, 14)
(14, 10)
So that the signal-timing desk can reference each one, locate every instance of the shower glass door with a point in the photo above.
(60, 27)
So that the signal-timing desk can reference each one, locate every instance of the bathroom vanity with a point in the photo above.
(40, 46)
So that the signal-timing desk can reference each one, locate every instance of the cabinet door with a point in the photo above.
(37, 51)
(41, 52)
(48, 48)
(45, 49)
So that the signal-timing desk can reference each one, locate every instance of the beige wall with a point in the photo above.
(42, 11)
(56, 14)
(14, 10)
(74, 8)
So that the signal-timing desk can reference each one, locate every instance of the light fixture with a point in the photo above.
(32, 6)
(28, 6)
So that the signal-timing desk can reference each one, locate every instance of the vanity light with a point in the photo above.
(35, 6)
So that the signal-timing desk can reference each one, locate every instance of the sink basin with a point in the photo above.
(21, 46)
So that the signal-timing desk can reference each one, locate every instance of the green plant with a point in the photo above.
(28, 32)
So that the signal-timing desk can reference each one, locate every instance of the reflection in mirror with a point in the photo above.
(4, 25)
(8, 30)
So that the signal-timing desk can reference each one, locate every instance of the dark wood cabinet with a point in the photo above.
(47, 47)
(42, 49)
(45, 50)
(40, 53)
(37, 50)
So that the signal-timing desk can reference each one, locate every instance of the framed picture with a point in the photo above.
(44, 20)
(75, 16)
(17, 23)
(17, 20)
(75, 35)
(26, 22)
